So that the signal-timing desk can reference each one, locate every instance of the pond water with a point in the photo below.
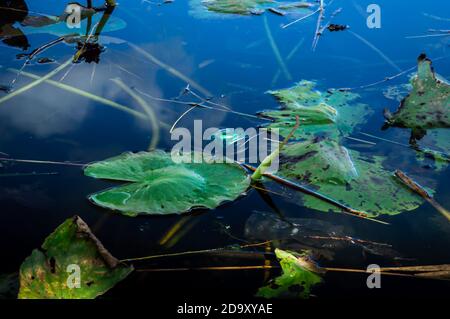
(234, 60)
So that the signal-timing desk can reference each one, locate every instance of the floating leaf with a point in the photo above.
(298, 278)
(325, 114)
(426, 107)
(46, 273)
(212, 8)
(345, 176)
(159, 186)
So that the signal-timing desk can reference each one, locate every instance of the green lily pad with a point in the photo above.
(45, 274)
(426, 107)
(298, 278)
(346, 176)
(219, 8)
(159, 186)
(332, 113)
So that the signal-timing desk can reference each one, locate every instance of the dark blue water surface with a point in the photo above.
(232, 59)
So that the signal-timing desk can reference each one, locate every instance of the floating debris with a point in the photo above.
(337, 27)
(45, 60)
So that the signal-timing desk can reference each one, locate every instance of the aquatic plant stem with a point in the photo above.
(275, 50)
(147, 109)
(267, 162)
(170, 69)
(90, 96)
(373, 47)
(422, 192)
(303, 189)
(36, 82)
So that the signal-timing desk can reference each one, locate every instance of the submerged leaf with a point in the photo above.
(210, 8)
(298, 278)
(46, 273)
(321, 114)
(345, 176)
(426, 107)
(159, 186)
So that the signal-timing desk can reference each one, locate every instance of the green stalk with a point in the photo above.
(147, 109)
(35, 83)
(87, 95)
(267, 162)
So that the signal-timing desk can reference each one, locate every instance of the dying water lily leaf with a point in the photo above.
(426, 107)
(46, 273)
(331, 113)
(210, 8)
(346, 176)
(159, 186)
(298, 278)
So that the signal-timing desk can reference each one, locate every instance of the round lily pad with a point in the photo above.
(159, 186)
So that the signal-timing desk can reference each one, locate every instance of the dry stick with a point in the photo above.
(386, 79)
(318, 24)
(28, 174)
(36, 82)
(300, 19)
(14, 160)
(442, 156)
(193, 252)
(328, 269)
(303, 189)
(422, 192)
(428, 36)
(34, 54)
(181, 116)
(360, 140)
(205, 100)
(275, 50)
(147, 109)
(209, 268)
(91, 96)
(170, 69)
(350, 239)
(195, 103)
(322, 29)
(373, 47)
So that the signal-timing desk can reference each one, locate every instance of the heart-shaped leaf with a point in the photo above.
(159, 186)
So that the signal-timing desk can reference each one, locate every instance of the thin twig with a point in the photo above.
(415, 187)
(15, 160)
